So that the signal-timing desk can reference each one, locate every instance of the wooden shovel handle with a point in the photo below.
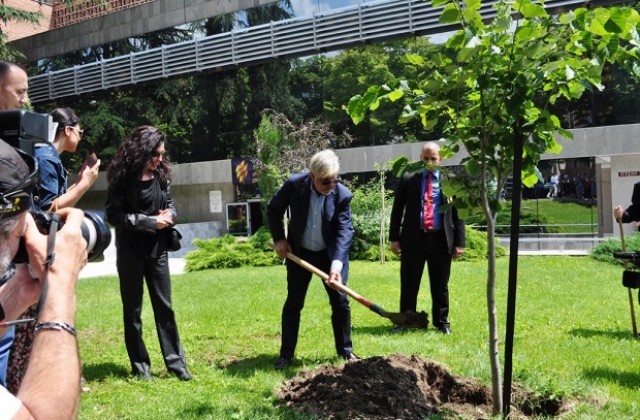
(325, 277)
(634, 324)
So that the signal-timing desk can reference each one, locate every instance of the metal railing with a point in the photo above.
(298, 37)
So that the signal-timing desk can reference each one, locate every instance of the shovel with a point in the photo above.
(408, 319)
(634, 325)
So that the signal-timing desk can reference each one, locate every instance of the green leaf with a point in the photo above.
(473, 4)
(356, 109)
(413, 59)
(450, 14)
(437, 3)
(398, 165)
(530, 11)
(472, 167)
(530, 179)
(395, 95)
(617, 22)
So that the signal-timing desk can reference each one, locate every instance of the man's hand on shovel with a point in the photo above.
(282, 247)
(334, 277)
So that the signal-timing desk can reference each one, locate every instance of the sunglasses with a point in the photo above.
(157, 154)
(329, 181)
(17, 199)
(79, 130)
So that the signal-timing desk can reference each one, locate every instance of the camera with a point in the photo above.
(94, 230)
(24, 130)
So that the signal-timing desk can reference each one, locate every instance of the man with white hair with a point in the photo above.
(319, 231)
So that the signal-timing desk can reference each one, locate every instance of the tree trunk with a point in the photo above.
(494, 350)
(382, 220)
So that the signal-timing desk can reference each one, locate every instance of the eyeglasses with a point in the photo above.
(329, 181)
(155, 154)
(80, 131)
(17, 199)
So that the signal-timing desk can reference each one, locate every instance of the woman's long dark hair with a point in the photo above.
(135, 153)
(65, 117)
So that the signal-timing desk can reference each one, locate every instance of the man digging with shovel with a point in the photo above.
(319, 231)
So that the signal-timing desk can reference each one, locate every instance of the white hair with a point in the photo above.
(7, 225)
(325, 164)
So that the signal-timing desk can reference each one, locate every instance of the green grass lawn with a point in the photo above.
(567, 213)
(573, 338)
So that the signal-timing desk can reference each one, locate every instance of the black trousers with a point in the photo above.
(432, 249)
(298, 280)
(155, 271)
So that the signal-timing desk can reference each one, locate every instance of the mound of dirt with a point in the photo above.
(398, 387)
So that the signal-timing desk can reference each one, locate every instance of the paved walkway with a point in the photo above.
(108, 266)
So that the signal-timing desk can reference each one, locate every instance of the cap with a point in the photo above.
(18, 172)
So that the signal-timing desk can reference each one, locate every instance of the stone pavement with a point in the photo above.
(107, 267)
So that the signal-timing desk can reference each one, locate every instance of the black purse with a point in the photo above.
(173, 240)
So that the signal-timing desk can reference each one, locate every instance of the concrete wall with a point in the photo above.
(615, 151)
(149, 17)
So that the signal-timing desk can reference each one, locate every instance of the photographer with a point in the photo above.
(52, 381)
(13, 95)
(51, 193)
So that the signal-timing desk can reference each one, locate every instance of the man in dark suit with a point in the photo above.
(632, 213)
(319, 231)
(417, 240)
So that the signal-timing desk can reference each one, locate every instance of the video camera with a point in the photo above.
(24, 130)
(630, 278)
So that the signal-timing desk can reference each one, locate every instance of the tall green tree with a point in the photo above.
(172, 104)
(11, 14)
(492, 87)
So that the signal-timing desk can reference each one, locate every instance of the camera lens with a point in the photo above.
(96, 232)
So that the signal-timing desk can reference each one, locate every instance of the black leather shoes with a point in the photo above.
(282, 363)
(182, 374)
(397, 329)
(350, 357)
(445, 329)
(144, 376)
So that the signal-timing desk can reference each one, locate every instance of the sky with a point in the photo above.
(304, 8)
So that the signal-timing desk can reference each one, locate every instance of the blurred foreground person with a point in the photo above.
(52, 380)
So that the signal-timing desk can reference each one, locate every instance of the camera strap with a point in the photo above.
(51, 256)
(51, 241)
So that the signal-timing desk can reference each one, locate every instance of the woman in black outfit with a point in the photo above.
(140, 207)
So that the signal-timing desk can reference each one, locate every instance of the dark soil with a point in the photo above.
(400, 387)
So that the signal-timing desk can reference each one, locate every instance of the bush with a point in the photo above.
(476, 246)
(604, 250)
(229, 252)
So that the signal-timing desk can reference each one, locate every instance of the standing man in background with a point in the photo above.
(419, 232)
(320, 232)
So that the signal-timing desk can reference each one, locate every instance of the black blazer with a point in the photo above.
(134, 218)
(632, 213)
(295, 194)
(405, 215)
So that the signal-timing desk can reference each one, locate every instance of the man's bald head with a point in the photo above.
(430, 153)
(13, 86)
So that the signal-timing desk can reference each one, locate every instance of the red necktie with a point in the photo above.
(427, 222)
